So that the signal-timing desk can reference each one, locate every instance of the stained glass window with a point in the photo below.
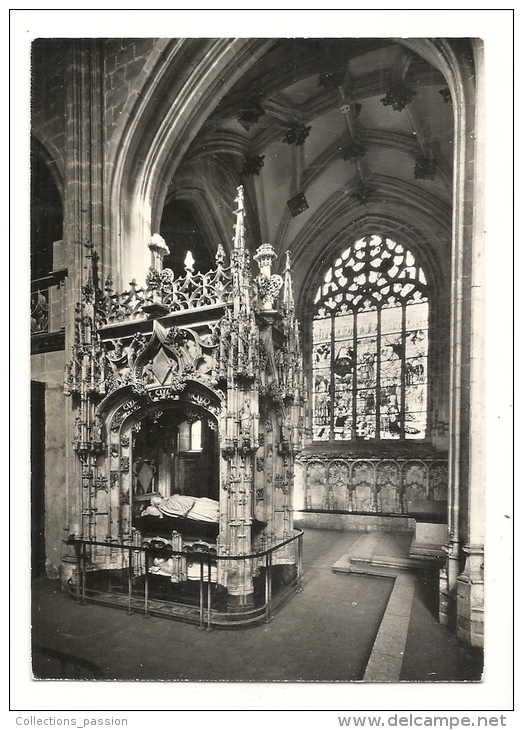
(370, 345)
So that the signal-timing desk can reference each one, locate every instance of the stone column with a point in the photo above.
(461, 589)
(470, 582)
(83, 220)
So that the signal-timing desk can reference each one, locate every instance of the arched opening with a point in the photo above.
(370, 345)
(46, 215)
(182, 232)
(175, 453)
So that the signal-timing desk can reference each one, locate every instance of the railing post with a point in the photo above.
(146, 585)
(130, 583)
(268, 587)
(208, 592)
(300, 562)
(84, 561)
(78, 551)
(201, 626)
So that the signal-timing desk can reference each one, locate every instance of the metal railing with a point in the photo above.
(276, 573)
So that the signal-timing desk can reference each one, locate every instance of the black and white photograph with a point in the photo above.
(257, 435)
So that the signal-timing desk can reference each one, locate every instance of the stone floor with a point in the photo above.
(325, 633)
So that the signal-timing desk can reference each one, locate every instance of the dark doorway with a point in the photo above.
(37, 479)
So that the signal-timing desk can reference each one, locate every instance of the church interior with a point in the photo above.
(256, 358)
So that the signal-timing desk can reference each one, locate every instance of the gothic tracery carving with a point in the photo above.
(236, 367)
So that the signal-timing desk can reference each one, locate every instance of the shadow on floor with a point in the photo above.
(324, 634)
(432, 652)
(53, 664)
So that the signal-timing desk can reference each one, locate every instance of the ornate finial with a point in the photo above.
(239, 199)
(240, 215)
(153, 279)
(288, 294)
(269, 285)
(264, 257)
(220, 255)
(189, 262)
(159, 249)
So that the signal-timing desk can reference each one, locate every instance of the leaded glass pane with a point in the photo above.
(343, 375)
(391, 354)
(370, 344)
(366, 358)
(321, 358)
(416, 351)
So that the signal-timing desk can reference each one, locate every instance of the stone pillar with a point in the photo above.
(83, 218)
(470, 583)
(240, 587)
(461, 588)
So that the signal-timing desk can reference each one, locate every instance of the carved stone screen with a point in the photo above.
(370, 345)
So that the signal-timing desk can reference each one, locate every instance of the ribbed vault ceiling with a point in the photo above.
(308, 122)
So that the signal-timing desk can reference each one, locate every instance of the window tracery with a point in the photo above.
(370, 345)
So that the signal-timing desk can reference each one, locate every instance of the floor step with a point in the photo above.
(401, 563)
(382, 553)
(387, 654)
(368, 569)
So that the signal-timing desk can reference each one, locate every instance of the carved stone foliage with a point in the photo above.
(171, 356)
(388, 474)
(253, 165)
(250, 115)
(398, 96)
(221, 345)
(268, 288)
(297, 134)
(191, 291)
